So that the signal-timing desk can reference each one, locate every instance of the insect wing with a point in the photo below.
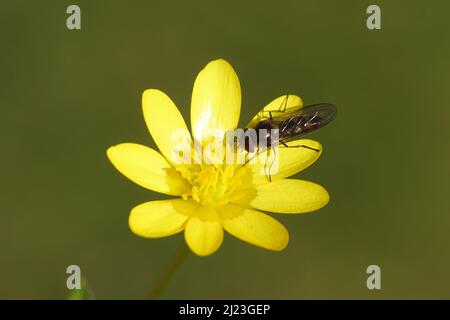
(293, 126)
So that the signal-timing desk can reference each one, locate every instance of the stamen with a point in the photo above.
(211, 184)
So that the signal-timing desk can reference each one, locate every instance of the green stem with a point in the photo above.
(173, 265)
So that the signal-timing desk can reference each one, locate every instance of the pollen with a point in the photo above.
(212, 184)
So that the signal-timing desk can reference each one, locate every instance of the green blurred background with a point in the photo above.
(66, 96)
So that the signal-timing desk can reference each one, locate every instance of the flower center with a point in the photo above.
(212, 183)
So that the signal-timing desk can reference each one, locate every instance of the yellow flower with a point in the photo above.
(213, 197)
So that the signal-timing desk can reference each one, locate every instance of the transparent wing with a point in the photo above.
(294, 124)
(280, 104)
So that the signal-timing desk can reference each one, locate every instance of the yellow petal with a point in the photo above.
(284, 196)
(285, 101)
(166, 124)
(216, 99)
(254, 227)
(148, 168)
(204, 231)
(162, 218)
(291, 160)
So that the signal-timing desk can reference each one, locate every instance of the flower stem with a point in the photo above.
(173, 265)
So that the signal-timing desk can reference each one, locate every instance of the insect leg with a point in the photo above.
(299, 146)
(250, 158)
(283, 105)
(273, 161)
(268, 175)
(247, 160)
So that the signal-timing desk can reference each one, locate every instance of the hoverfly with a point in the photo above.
(292, 124)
